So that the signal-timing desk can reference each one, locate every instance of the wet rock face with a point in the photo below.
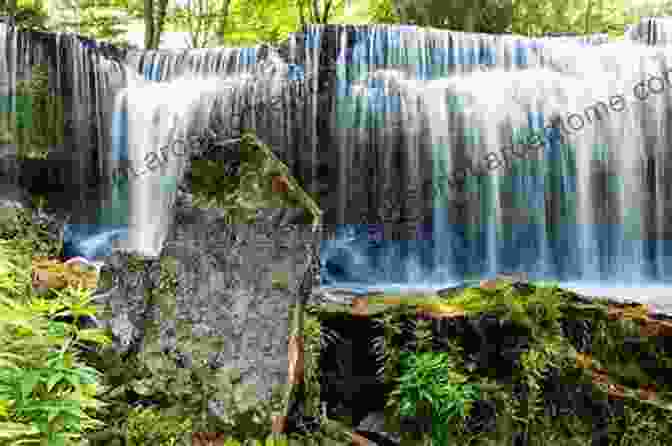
(348, 370)
(13, 196)
(222, 287)
(579, 333)
(373, 428)
(490, 344)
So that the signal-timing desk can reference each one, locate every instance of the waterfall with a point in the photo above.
(156, 129)
(161, 65)
(590, 208)
(394, 129)
(651, 30)
(81, 75)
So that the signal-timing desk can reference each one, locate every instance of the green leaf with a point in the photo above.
(15, 430)
(94, 335)
(28, 383)
(143, 387)
(53, 380)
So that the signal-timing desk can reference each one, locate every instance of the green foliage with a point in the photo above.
(316, 339)
(149, 426)
(387, 355)
(38, 122)
(46, 392)
(492, 16)
(382, 11)
(15, 265)
(538, 310)
(582, 17)
(103, 20)
(312, 332)
(31, 239)
(27, 16)
(641, 424)
(184, 392)
(429, 377)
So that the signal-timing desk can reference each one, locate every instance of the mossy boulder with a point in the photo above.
(260, 181)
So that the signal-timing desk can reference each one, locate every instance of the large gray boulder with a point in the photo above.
(223, 287)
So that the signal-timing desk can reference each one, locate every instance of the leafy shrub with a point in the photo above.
(28, 237)
(150, 426)
(45, 390)
(428, 378)
(183, 392)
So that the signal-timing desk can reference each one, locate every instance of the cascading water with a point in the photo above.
(168, 65)
(589, 209)
(405, 109)
(151, 121)
(651, 30)
(81, 74)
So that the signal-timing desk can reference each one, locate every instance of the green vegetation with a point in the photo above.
(47, 393)
(429, 378)
(244, 23)
(435, 382)
(38, 120)
(252, 189)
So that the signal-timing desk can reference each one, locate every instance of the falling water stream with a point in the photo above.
(379, 123)
(410, 106)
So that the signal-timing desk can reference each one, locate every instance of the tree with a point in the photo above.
(202, 18)
(492, 16)
(318, 11)
(155, 16)
(536, 18)
(253, 22)
(650, 8)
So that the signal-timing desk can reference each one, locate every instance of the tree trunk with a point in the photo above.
(302, 17)
(316, 11)
(224, 14)
(589, 10)
(158, 27)
(471, 17)
(149, 23)
(327, 6)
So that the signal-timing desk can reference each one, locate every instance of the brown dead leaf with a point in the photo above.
(296, 360)
(584, 360)
(489, 284)
(207, 439)
(279, 422)
(280, 184)
(359, 306)
(647, 392)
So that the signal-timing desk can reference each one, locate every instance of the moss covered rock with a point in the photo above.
(262, 181)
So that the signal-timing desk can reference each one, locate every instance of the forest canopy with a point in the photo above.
(212, 23)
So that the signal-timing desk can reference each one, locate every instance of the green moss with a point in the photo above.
(242, 195)
(136, 263)
(280, 280)
(164, 295)
(38, 122)
(17, 224)
(150, 426)
(313, 345)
